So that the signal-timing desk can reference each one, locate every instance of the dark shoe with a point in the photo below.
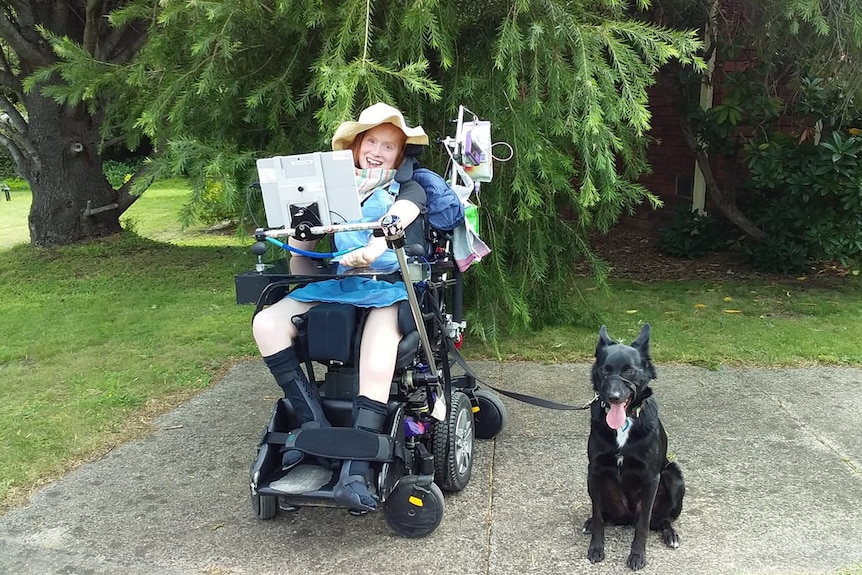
(291, 458)
(352, 490)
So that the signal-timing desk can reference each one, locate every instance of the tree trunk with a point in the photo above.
(725, 201)
(72, 199)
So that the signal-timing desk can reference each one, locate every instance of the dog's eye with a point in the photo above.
(606, 369)
(630, 372)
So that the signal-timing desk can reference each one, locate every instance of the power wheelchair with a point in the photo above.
(433, 414)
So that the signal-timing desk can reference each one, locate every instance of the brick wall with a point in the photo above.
(671, 159)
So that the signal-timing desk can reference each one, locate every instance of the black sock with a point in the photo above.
(369, 415)
(283, 364)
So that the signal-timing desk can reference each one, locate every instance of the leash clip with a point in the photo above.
(592, 401)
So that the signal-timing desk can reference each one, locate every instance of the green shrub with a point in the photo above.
(8, 169)
(778, 254)
(119, 172)
(691, 234)
(809, 199)
(208, 206)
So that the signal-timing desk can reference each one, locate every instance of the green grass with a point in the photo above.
(97, 338)
(716, 323)
(155, 216)
(13, 214)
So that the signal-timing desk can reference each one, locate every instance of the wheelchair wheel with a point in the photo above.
(414, 510)
(491, 417)
(452, 445)
(265, 506)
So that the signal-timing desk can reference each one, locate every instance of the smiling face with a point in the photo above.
(380, 147)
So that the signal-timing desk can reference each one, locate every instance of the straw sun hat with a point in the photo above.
(372, 116)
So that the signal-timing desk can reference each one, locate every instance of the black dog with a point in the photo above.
(631, 481)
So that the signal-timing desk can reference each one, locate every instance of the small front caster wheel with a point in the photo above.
(265, 506)
(413, 510)
(491, 417)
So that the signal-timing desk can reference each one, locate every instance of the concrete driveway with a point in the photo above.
(772, 461)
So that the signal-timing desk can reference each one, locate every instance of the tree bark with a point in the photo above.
(72, 198)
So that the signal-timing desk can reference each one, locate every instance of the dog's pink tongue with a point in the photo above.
(616, 416)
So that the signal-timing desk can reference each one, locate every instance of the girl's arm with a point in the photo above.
(407, 213)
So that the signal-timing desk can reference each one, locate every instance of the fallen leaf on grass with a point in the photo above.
(733, 311)
(699, 305)
(630, 311)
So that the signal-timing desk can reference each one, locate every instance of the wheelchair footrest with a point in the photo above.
(304, 479)
(337, 443)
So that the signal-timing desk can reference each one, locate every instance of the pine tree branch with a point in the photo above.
(4, 61)
(17, 132)
(23, 14)
(16, 120)
(10, 81)
(25, 49)
(125, 197)
(60, 12)
(122, 44)
(17, 155)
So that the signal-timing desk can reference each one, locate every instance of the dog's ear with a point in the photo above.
(642, 344)
(604, 340)
(642, 340)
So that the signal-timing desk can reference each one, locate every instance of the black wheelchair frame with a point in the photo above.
(424, 450)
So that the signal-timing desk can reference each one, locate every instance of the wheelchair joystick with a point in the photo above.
(259, 249)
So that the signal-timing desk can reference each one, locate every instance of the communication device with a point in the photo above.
(317, 188)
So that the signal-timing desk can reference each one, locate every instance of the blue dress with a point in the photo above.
(357, 290)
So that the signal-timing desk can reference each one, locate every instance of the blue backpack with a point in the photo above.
(445, 210)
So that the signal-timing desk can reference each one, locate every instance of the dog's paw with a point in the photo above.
(588, 526)
(670, 537)
(636, 561)
(596, 553)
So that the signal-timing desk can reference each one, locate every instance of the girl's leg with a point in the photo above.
(274, 333)
(379, 350)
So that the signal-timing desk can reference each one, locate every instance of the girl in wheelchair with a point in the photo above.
(385, 180)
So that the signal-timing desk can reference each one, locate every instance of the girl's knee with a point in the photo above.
(264, 325)
(274, 322)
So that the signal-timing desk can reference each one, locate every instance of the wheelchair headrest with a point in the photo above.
(413, 150)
